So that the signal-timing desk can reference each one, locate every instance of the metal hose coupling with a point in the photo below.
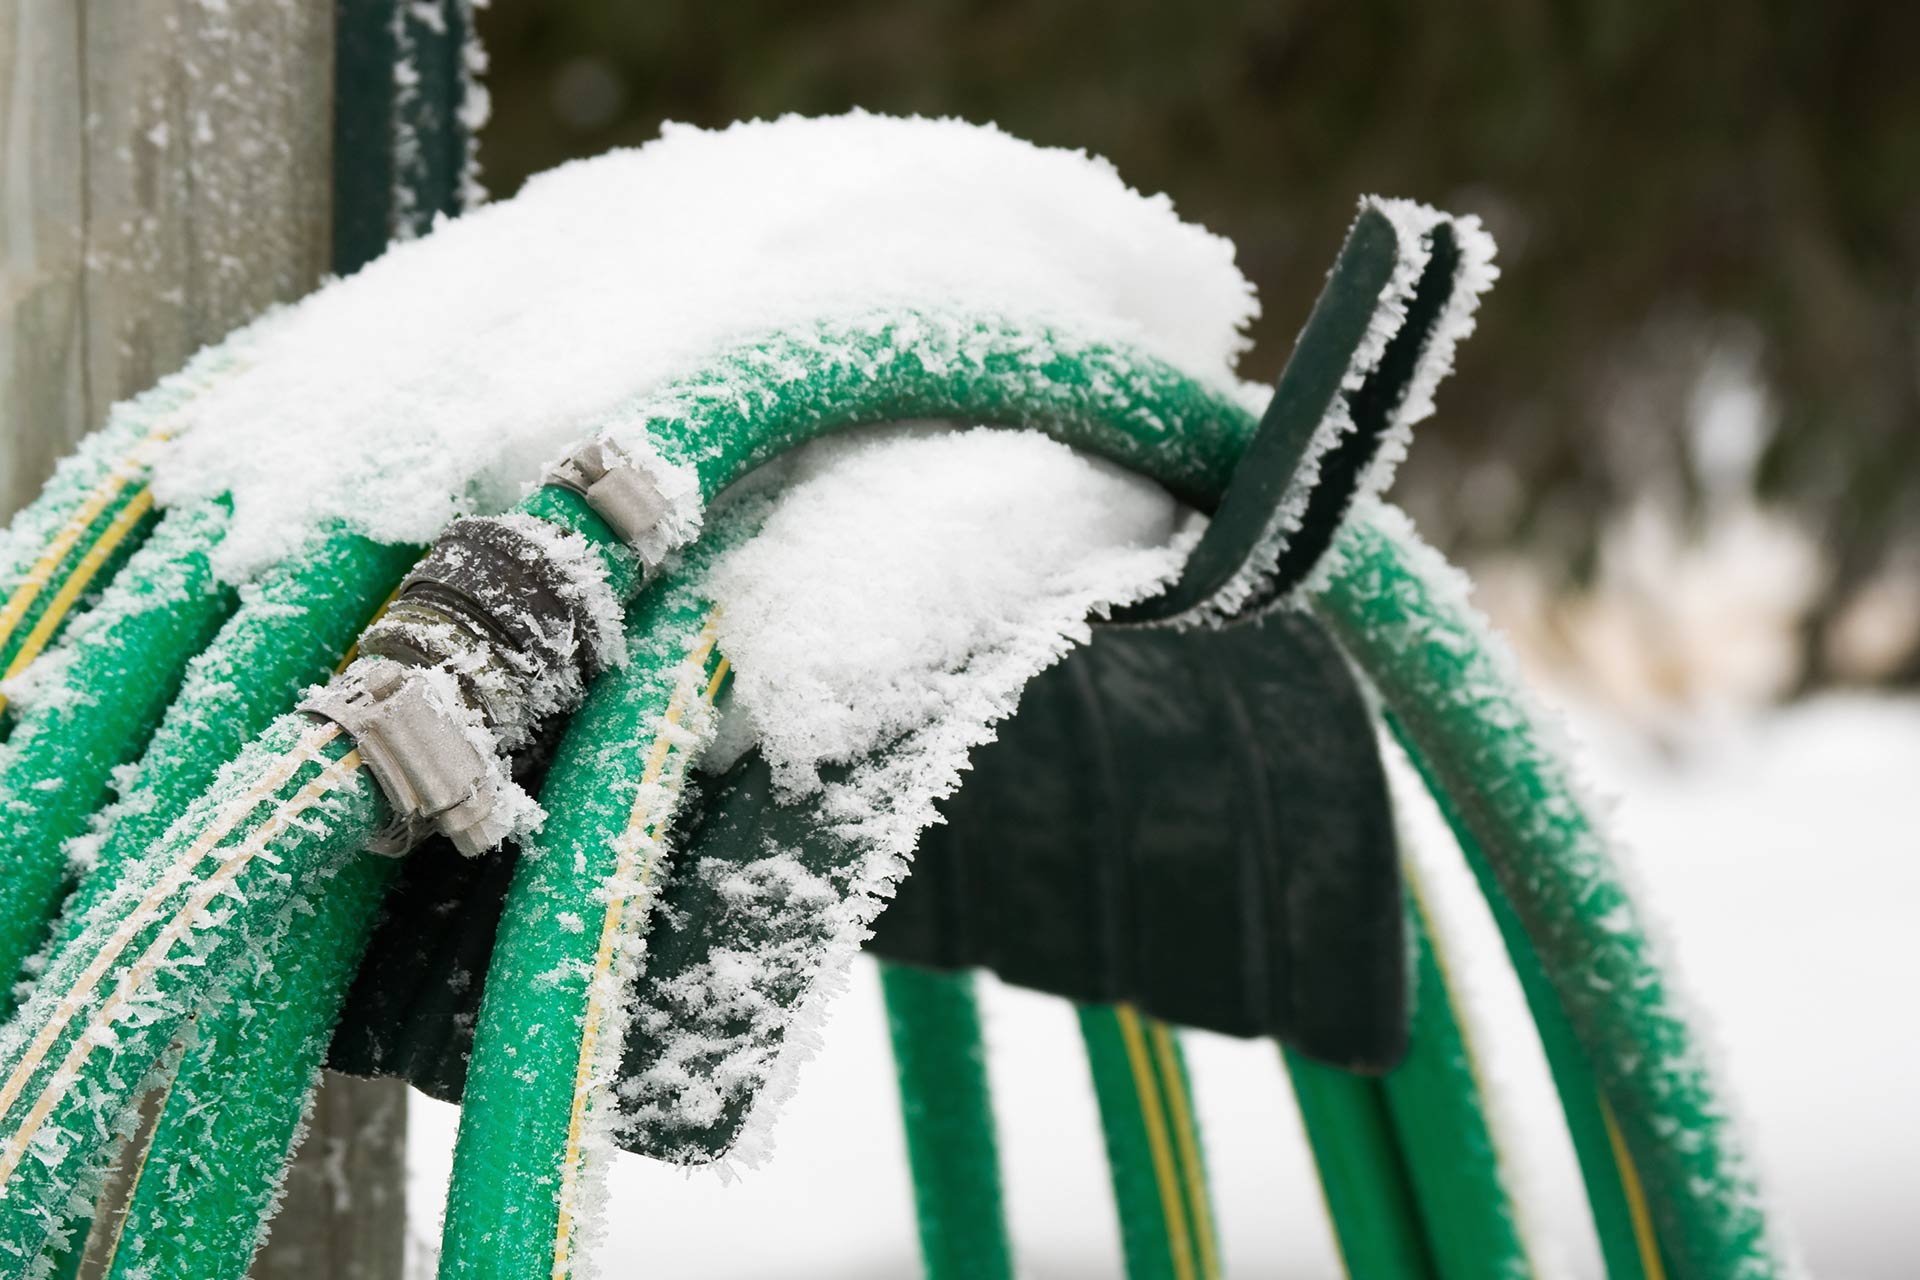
(499, 628)
(652, 505)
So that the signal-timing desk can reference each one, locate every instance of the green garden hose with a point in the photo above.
(1433, 1100)
(288, 633)
(90, 516)
(947, 1106)
(109, 691)
(61, 1095)
(1153, 1145)
(1628, 1245)
(1408, 1167)
(1364, 1182)
(1450, 694)
(750, 406)
(206, 1188)
(524, 1114)
(117, 927)
(531, 1128)
(202, 906)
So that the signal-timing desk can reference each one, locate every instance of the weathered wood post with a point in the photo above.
(169, 169)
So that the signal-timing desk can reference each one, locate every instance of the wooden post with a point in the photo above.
(166, 172)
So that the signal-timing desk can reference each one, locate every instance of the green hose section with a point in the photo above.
(196, 914)
(1153, 1145)
(1364, 1182)
(753, 403)
(287, 634)
(1408, 1167)
(946, 1102)
(1614, 1194)
(90, 516)
(105, 692)
(1433, 1100)
(1449, 690)
(788, 388)
(82, 560)
(532, 1122)
(203, 1196)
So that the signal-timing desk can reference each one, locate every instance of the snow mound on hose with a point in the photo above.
(439, 379)
(906, 584)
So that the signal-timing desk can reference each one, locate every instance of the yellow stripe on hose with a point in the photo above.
(641, 831)
(138, 974)
(1636, 1195)
(283, 768)
(1187, 1140)
(1164, 1173)
(70, 591)
(37, 577)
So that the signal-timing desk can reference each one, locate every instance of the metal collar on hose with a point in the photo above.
(490, 635)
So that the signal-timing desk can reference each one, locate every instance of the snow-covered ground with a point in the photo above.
(1782, 852)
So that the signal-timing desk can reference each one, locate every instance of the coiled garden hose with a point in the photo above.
(302, 842)
(721, 422)
(207, 1184)
(293, 809)
(1451, 697)
(855, 372)
(289, 632)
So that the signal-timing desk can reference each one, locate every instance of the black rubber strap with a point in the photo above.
(1269, 474)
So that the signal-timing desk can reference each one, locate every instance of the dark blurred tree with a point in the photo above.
(1666, 180)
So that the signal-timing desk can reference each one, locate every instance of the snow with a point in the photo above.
(436, 381)
(1798, 820)
(906, 576)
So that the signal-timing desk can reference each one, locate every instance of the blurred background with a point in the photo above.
(1692, 410)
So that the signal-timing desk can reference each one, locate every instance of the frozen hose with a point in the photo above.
(1451, 696)
(281, 822)
(258, 920)
(536, 1113)
(206, 1188)
(105, 692)
(287, 634)
(552, 1034)
(1628, 1244)
(751, 406)
(89, 517)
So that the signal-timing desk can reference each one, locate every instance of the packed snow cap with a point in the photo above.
(437, 381)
